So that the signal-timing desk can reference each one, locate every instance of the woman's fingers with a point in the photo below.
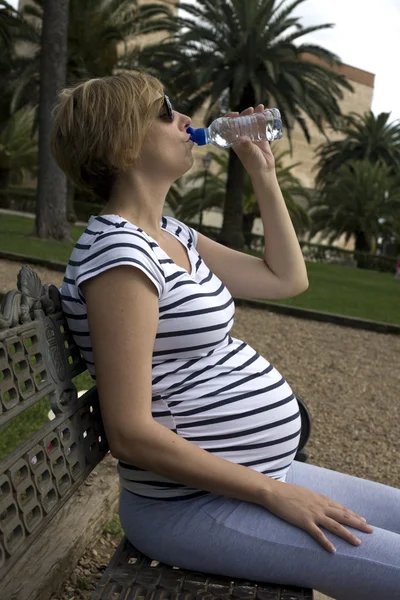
(349, 518)
(348, 515)
(232, 114)
(320, 537)
(339, 530)
(247, 111)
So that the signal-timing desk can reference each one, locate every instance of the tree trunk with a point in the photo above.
(232, 228)
(363, 244)
(51, 204)
(71, 213)
(5, 175)
(248, 222)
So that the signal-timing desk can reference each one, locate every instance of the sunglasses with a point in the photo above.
(168, 109)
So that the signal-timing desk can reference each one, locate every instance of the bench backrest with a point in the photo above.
(39, 359)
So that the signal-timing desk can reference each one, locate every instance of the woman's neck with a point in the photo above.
(139, 203)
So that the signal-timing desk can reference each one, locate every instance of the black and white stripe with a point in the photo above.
(211, 389)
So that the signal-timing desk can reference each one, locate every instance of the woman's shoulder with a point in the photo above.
(109, 242)
(104, 230)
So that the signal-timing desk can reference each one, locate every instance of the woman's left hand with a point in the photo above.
(256, 156)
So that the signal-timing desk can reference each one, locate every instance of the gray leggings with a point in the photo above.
(221, 535)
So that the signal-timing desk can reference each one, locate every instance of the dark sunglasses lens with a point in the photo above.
(168, 107)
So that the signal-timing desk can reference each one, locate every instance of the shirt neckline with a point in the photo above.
(188, 251)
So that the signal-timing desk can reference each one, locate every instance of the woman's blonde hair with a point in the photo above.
(99, 127)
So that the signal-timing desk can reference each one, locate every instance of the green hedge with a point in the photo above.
(362, 260)
(24, 200)
(84, 210)
(18, 198)
(323, 254)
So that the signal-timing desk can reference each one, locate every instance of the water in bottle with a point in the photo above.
(223, 132)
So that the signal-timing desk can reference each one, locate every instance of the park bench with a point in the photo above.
(39, 359)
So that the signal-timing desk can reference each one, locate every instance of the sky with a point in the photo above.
(366, 35)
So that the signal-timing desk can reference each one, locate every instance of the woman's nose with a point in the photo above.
(185, 121)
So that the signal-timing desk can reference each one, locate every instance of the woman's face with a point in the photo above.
(167, 150)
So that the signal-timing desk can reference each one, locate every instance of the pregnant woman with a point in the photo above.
(205, 429)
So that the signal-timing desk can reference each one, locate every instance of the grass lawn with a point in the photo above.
(351, 292)
(17, 235)
(336, 289)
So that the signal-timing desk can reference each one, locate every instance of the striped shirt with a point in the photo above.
(208, 387)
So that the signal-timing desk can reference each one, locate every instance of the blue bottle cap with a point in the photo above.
(198, 136)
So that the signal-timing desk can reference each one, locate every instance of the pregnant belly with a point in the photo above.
(249, 417)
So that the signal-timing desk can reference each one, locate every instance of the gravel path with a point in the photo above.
(348, 378)
(9, 270)
(350, 382)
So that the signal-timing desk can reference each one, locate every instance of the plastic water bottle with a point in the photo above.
(223, 132)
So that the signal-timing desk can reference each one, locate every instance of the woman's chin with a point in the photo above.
(187, 165)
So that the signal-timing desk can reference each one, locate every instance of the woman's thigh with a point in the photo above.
(217, 534)
(376, 502)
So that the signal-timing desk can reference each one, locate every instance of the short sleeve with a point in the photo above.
(116, 248)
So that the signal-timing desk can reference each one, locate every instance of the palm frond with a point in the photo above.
(355, 199)
(18, 149)
(364, 137)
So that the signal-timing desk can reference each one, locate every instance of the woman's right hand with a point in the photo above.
(307, 509)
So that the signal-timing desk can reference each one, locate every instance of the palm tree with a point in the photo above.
(12, 28)
(51, 221)
(362, 200)
(365, 137)
(236, 54)
(100, 38)
(18, 149)
(189, 197)
(9, 22)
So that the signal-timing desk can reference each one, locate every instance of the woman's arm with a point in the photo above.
(282, 252)
(282, 273)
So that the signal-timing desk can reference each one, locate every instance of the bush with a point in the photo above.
(211, 232)
(362, 260)
(84, 210)
(21, 198)
(322, 253)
